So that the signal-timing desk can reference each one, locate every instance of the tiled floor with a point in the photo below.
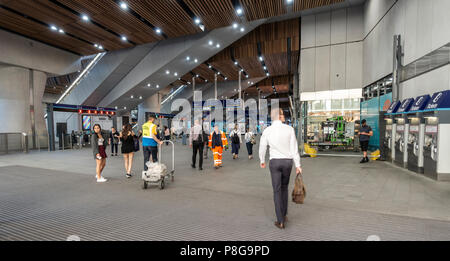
(49, 196)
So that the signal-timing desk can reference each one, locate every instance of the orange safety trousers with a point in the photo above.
(217, 153)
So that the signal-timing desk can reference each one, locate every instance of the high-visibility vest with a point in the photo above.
(148, 132)
(224, 139)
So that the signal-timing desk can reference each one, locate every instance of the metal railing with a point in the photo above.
(13, 142)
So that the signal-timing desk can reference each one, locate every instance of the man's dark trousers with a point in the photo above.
(147, 151)
(280, 170)
(197, 146)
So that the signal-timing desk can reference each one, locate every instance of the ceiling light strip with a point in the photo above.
(82, 74)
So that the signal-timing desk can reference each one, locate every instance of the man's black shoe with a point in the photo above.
(363, 160)
(193, 166)
(200, 168)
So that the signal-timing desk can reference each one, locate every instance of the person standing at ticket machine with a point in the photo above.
(365, 132)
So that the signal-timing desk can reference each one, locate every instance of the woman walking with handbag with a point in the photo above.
(99, 149)
(128, 148)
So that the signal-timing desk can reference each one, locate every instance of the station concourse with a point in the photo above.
(346, 75)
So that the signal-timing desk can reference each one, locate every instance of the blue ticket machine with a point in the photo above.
(402, 131)
(437, 137)
(389, 135)
(416, 135)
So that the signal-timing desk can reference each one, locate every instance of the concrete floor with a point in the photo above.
(52, 195)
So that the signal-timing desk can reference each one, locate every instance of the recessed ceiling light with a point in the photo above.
(246, 76)
(235, 25)
(157, 86)
(239, 11)
(115, 107)
(124, 38)
(188, 58)
(260, 58)
(235, 63)
(196, 75)
(148, 85)
(125, 107)
(267, 74)
(210, 42)
(175, 74)
(226, 78)
(61, 31)
(124, 6)
(242, 29)
(96, 45)
(140, 97)
(85, 17)
(158, 31)
(206, 80)
(209, 66)
(218, 73)
(289, 1)
(197, 21)
(100, 47)
(132, 97)
(167, 72)
(265, 68)
(54, 28)
(195, 60)
(218, 45)
(248, 82)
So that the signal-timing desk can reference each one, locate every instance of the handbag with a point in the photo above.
(253, 140)
(136, 144)
(299, 192)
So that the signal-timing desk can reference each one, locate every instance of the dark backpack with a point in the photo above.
(200, 137)
(235, 139)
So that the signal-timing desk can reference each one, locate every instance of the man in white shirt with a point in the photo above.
(196, 142)
(283, 154)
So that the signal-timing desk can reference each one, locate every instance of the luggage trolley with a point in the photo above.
(157, 173)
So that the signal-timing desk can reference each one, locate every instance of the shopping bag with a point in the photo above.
(299, 192)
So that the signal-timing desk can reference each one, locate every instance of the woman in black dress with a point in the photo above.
(127, 139)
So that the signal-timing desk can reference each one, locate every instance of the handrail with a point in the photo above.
(24, 140)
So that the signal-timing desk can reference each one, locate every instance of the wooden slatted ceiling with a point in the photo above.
(167, 15)
(108, 14)
(214, 14)
(71, 23)
(40, 32)
(258, 9)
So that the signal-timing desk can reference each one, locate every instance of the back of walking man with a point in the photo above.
(283, 154)
(150, 141)
(196, 143)
(365, 132)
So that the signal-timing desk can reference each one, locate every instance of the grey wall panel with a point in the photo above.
(374, 11)
(355, 21)
(338, 67)
(308, 32)
(308, 70)
(322, 68)
(339, 26)
(424, 28)
(441, 20)
(323, 29)
(428, 83)
(14, 99)
(23, 52)
(354, 65)
(410, 35)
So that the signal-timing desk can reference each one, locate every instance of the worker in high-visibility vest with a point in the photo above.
(217, 141)
(149, 141)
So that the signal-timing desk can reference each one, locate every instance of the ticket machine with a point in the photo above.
(389, 135)
(437, 137)
(402, 131)
(416, 133)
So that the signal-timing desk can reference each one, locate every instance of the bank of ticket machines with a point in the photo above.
(417, 135)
